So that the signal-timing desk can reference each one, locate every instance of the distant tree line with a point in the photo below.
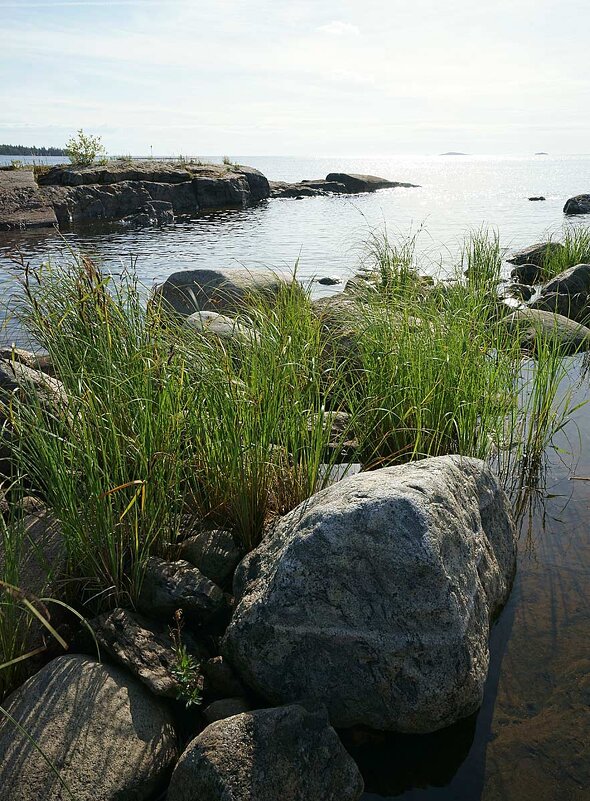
(22, 150)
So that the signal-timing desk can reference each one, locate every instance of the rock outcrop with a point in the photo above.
(340, 183)
(22, 205)
(106, 736)
(125, 190)
(375, 597)
(286, 753)
(580, 204)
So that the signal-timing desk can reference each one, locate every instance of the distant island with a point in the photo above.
(22, 150)
(453, 153)
(541, 153)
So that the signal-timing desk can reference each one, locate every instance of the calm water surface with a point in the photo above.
(531, 739)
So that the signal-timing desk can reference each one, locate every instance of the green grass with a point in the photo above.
(576, 250)
(167, 429)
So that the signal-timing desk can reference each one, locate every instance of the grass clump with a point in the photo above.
(575, 250)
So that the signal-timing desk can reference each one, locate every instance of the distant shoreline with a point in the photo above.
(22, 150)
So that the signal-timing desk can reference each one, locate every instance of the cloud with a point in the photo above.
(339, 28)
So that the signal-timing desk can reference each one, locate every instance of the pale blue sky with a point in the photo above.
(268, 77)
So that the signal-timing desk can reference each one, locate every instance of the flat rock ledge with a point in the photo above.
(335, 183)
(375, 597)
(22, 204)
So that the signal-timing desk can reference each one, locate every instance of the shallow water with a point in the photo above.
(531, 739)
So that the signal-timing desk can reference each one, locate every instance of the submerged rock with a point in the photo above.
(286, 753)
(106, 736)
(375, 596)
(226, 291)
(329, 280)
(567, 294)
(580, 204)
(536, 254)
(535, 325)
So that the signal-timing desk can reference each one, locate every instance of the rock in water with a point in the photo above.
(567, 294)
(102, 731)
(536, 254)
(375, 596)
(580, 204)
(533, 326)
(286, 753)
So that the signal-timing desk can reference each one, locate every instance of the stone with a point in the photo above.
(329, 280)
(364, 183)
(103, 732)
(535, 325)
(567, 294)
(527, 274)
(34, 361)
(287, 753)
(221, 326)
(580, 204)
(537, 198)
(16, 377)
(214, 553)
(169, 586)
(536, 254)
(223, 291)
(156, 212)
(283, 189)
(144, 647)
(225, 708)
(519, 291)
(220, 678)
(21, 203)
(375, 597)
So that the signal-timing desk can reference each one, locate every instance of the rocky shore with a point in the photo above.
(150, 192)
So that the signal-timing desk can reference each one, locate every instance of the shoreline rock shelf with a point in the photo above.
(150, 192)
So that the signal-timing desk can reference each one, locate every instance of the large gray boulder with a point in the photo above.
(537, 254)
(535, 326)
(287, 753)
(567, 294)
(102, 731)
(375, 596)
(580, 204)
(224, 291)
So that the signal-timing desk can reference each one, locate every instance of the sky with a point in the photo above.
(327, 78)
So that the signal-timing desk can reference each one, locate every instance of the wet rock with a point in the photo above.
(329, 280)
(536, 254)
(144, 647)
(224, 291)
(286, 753)
(527, 274)
(364, 183)
(220, 678)
(168, 586)
(519, 291)
(221, 326)
(375, 597)
(215, 553)
(225, 708)
(104, 733)
(580, 204)
(157, 212)
(535, 325)
(567, 294)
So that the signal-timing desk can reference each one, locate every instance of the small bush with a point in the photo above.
(83, 149)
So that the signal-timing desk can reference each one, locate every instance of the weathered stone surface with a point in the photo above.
(375, 596)
(535, 254)
(215, 553)
(284, 189)
(144, 647)
(220, 678)
(527, 274)
(107, 737)
(221, 326)
(580, 204)
(115, 172)
(168, 586)
(21, 203)
(567, 294)
(225, 708)
(16, 377)
(287, 753)
(34, 361)
(364, 183)
(225, 291)
(156, 212)
(532, 325)
(86, 203)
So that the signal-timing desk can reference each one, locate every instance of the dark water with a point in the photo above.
(531, 739)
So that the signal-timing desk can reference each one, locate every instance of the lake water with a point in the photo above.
(531, 739)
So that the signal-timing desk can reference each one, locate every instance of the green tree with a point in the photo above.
(83, 149)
